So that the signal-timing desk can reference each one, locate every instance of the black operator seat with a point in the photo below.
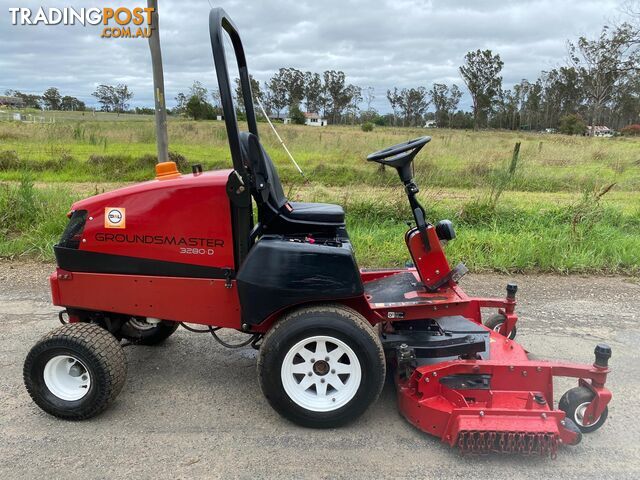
(269, 195)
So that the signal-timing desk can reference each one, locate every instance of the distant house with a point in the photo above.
(13, 102)
(311, 119)
(599, 131)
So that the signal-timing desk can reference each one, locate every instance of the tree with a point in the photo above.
(561, 94)
(294, 85)
(277, 92)
(29, 100)
(395, 100)
(572, 125)
(414, 104)
(199, 109)
(338, 97)
(256, 92)
(51, 98)
(113, 99)
(313, 92)
(198, 90)
(106, 96)
(123, 95)
(455, 94)
(369, 97)
(181, 103)
(409, 103)
(603, 63)
(215, 97)
(296, 115)
(354, 94)
(481, 75)
(445, 100)
(72, 104)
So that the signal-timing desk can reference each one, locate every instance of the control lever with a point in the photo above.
(422, 226)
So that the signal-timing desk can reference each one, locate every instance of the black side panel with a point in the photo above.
(241, 217)
(83, 261)
(279, 273)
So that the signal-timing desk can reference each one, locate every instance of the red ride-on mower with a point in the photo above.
(136, 263)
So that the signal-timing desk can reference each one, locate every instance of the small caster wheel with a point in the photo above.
(495, 324)
(574, 403)
(142, 332)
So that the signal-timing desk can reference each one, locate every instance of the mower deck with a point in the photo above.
(500, 403)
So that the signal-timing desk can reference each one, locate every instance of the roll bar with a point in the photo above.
(219, 22)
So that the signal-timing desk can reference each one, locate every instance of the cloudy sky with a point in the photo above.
(378, 43)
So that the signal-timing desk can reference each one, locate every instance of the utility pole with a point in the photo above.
(162, 138)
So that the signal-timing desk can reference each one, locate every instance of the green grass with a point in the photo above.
(548, 217)
(330, 156)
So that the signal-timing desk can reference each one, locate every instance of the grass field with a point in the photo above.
(545, 216)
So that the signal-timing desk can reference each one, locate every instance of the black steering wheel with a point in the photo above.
(393, 154)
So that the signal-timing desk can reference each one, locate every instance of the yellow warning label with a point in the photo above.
(114, 217)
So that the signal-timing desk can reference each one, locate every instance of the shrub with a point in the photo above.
(9, 160)
(572, 125)
(631, 130)
(181, 161)
(367, 127)
(147, 160)
(296, 115)
(18, 205)
(199, 109)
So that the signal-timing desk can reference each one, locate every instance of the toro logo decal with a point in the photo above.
(114, 217)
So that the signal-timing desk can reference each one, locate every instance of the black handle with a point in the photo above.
(219, 22)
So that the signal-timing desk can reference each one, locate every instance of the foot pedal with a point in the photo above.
(456, 274)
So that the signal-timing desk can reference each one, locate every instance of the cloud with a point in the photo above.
(383, 44)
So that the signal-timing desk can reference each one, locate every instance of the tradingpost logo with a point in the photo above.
(120, 22)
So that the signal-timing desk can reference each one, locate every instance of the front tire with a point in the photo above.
(322, 366)
(75, 371)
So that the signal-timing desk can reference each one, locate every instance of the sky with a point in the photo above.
(377, 43)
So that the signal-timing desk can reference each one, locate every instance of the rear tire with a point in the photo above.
(321, 366)
(75, 371)
(495, 323)
(140, 332)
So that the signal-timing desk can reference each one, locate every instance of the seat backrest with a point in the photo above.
(266, 187)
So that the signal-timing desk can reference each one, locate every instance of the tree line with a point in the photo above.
(51, 99)
(598, 85)
(111, 99)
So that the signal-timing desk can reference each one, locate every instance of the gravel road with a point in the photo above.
(192, 409)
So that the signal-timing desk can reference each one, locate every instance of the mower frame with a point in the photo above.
(465, 382)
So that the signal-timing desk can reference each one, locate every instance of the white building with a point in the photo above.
(599, 131)
(311, 119)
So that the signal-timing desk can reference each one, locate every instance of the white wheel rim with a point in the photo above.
(321, 373)
(67, 378)
(141, 324)
(578, 416)
(498, 327)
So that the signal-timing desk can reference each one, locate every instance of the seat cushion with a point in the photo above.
(315, 212)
